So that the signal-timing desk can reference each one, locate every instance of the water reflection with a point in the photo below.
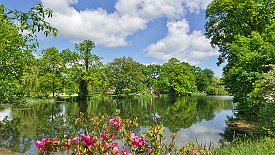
(201, 118)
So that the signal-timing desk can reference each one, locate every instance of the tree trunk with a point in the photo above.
(53, 85)
(83, 90)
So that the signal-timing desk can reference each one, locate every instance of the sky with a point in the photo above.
(149, 31)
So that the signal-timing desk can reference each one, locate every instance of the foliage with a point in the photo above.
(177, 77)
(12, 60)
(125, 75)
(50, 72)
(264, 91)
(15, 48)
(216, 87)
(262, 146)
(203, 78)
(225, 19)
(244, 33)
(151, 73)
(71, 76)
(84, 48)
(249, 61)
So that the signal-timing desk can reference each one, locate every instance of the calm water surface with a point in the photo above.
(199, 119)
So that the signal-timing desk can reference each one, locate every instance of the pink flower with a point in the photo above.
(39, 144)
(103, 135)
(194, 152)
(89, 141)
(55, 140)
(133, 136)
(67, 144)
(116, 122)
(112, 136)
(137, 141)
(115, 148)
(168, 153)
(83, 137)
(75, 139)
(45, 140)
(141, 141)
(124, 152)
(106, 144)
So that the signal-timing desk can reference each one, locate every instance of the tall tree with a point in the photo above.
(15, 47)
(125, 75)
(51, 70)
(84, 48)
(151, 73)
(250, 61)
(71, 70)
(177, 77)
(203, 78)
(225, 19)
(244, 33)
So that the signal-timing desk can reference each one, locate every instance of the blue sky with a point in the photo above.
(149, 31)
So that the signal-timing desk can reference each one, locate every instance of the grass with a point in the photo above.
(263, 146)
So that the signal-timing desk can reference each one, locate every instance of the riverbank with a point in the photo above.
(263, 146)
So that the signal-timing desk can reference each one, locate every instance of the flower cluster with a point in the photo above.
(106, 136)
(116, 122)
(40, 144)
(70, 142)
(137, 141)
(116, 138)
(88, 140)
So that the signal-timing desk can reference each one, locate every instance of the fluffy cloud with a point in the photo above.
(196, 5)
(181, 44)
(150, 9)
(109, 29)
(112, 29)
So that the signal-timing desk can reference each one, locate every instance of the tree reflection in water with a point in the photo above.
(53, 119)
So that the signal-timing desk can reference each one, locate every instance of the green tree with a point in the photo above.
(11, 60)
(84, 48)
(177, 77)
(30, 78)
(70, 74)
(244, 33)
(15, 47)
(203, 78)
(125, 75)
(151, 73)
(249, 61)
(51, 67)
(216, 87)
(225, 19)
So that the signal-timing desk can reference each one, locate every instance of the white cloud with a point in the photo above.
(112, 29)
(196, 5)
(109, 29)
(150, 9)
(181, 44)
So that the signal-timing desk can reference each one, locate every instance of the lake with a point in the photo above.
(197, 119)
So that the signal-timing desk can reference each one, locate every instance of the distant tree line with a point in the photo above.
(71, 72)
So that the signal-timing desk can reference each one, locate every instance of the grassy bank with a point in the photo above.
(264, 146)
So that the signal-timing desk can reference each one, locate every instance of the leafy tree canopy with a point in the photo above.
(229, 18)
